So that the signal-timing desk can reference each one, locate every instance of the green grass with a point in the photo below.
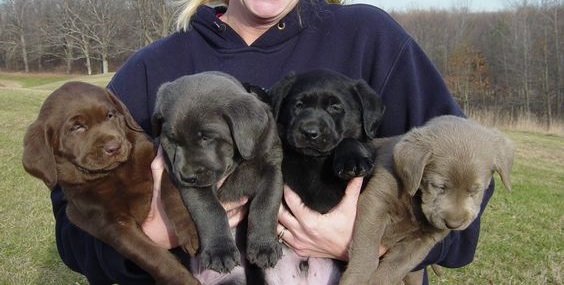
(521, 239)
(32, 80)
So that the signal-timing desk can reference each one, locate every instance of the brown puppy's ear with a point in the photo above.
(504, 158)
(372, 108)
(38, 158)
(129, 121)
(410, 158)
(279, 92)
(248, 120)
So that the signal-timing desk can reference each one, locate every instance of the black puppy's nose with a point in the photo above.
(311, 132)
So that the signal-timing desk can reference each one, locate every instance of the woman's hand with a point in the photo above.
(157, 226)
(310, 233)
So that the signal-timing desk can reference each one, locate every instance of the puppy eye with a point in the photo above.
(204, 137)
(474, 189)
(299, 105)
(77, 128)
(335, 108)
(111, 114)
(440, 187)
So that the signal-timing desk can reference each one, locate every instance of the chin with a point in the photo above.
(269, 10)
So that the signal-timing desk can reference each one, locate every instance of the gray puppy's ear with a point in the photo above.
(157, 118)
(279, 91)
(156, 123)
(38, 158)
(372, 107)
(504, 158)
(410, 157)
(247, 119)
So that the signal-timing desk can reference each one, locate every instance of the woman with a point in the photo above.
(260, 41)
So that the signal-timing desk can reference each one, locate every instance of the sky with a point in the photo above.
(474, 5)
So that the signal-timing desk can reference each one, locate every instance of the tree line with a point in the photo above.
(510, 61)
(78, 36)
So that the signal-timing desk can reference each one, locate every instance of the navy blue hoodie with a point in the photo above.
(360, 41)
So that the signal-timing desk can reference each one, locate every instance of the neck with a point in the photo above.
(248, 26)
(249, 32)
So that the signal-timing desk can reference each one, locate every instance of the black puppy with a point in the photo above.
(325, 121)
(210, 127)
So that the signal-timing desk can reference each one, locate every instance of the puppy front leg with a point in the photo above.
(179, 216)
(353, 159)
(122, 233)
(263, 248)
(263, 183)
(404, 256)
(368, 231)
(217, 246)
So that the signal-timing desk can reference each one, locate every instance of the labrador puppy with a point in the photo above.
(211, 128)
(426, 183)
(326, 122)
(85, 140)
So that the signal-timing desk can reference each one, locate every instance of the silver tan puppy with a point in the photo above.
(425, 184)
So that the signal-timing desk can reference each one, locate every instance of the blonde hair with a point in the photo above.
(187, 9)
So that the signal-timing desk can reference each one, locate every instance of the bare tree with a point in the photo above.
(93, 27)
(105, 19)
(155, 18)
(17, 17)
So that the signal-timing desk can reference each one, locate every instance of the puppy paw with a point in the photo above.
(265, 254)
(222, 257)
(349, 167)
(353, 159)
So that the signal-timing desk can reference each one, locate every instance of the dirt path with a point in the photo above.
(9, 84)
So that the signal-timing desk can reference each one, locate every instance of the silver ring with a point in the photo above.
(281, 235)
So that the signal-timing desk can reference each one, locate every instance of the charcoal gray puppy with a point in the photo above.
(210, 127)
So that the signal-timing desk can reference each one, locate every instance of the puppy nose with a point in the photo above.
(454, 224)
(112, 147)
(311, 132)
(190, 178)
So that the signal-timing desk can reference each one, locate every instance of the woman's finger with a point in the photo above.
(350, 199)
(295, 203)
(286, 219)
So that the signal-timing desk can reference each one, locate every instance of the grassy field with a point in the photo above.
(521, 240)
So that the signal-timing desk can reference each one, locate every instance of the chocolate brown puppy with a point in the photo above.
(85, 140)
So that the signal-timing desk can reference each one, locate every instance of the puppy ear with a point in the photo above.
(129, 121)
(372, 108)
(279, 91)
(248, 119)
(258, 91)
(157, 118)
(410, 158)
(157, 123)
(38, 158)
(504, 158)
